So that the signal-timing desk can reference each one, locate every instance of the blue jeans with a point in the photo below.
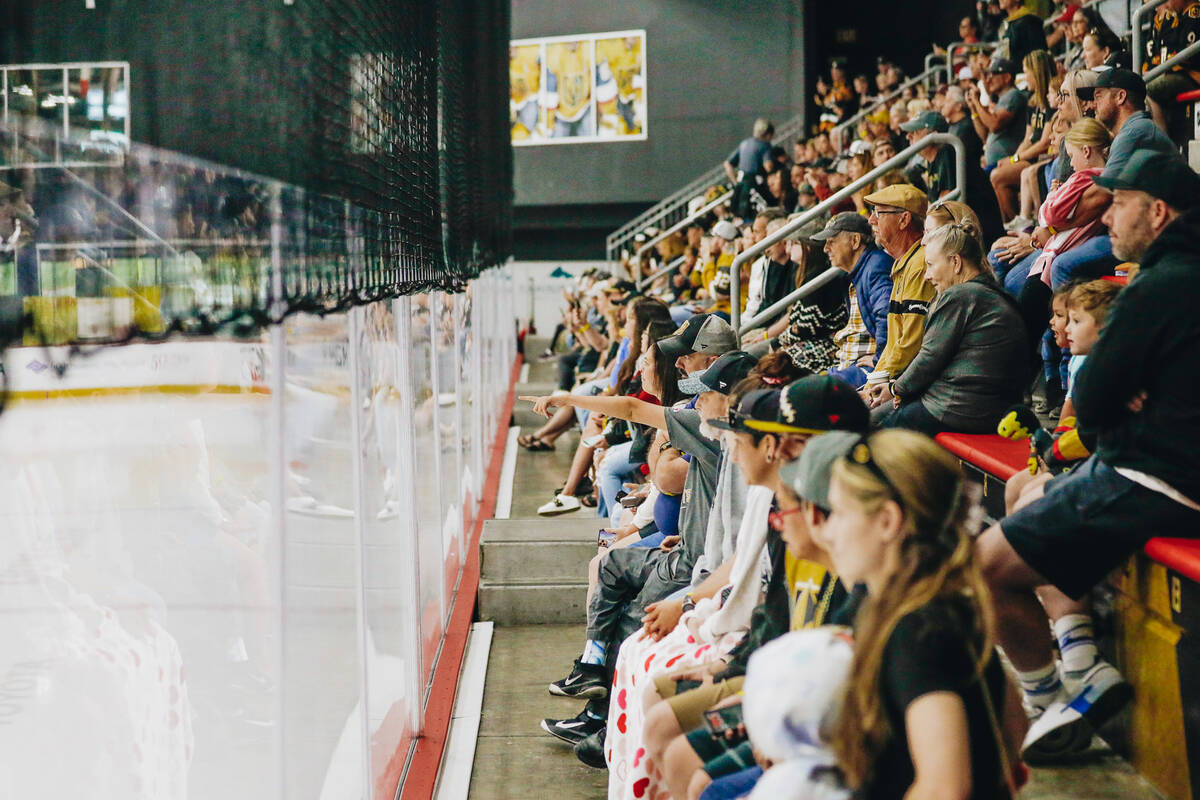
(1012, 276)
(653, 540)
(854, 375)
(613, 470)
(1091, 259)
(732, 786)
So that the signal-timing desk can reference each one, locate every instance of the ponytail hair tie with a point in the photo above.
(771, 380)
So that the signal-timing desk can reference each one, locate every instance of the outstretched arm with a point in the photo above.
(626, 408)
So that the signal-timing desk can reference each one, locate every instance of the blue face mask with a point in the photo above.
(692, 383)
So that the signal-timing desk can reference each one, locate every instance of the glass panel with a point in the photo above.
(445, 334)
(323, 682)
(138, 575)
(427, 486)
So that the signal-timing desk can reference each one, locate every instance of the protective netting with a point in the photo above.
(171, 165)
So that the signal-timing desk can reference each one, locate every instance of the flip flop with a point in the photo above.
(533, 444)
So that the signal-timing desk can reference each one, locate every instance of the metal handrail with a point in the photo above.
(901, 158)
(1135, 30)
(1182, 55)
(669, 268)
(683, 223)
(771, 311)
(949, 65)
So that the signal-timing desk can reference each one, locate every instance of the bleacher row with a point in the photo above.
(774, 273)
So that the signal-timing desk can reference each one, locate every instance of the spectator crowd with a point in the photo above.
(795, 594)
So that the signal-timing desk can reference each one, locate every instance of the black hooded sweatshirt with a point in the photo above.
(1151, 344)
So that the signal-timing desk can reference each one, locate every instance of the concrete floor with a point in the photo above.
(514, 758)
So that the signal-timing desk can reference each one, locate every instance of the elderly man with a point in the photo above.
(898, 222)
(1137, 395)
(849, 244)
(1002, 123)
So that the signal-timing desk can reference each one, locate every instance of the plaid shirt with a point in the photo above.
(854, 340)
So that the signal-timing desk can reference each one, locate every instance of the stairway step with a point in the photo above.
(570, 528)
(533, 604)
(536, 562)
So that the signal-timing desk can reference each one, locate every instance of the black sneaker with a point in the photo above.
(573, 730)
(590, 750)
(585, 680)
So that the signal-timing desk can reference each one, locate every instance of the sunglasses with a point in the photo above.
(775, 518)
(861, 454)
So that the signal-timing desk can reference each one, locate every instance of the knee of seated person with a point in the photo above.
(661, 728)
(990, 550)
(699, 782)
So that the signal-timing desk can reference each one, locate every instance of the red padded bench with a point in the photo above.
(990, 460)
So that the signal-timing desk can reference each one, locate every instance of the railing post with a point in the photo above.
(1135, 32)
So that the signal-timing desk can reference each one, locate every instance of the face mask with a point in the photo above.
(692, 383)
(709, 432)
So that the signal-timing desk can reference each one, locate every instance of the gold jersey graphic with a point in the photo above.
(568, 78)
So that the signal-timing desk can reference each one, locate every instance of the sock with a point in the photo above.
(1041, 686)
(593, 653)
(1077, 643)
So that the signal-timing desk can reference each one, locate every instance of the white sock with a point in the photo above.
(1076, 643)
(593, 653)
(1041, 686)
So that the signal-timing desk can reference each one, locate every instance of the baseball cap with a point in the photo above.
(858, 147)
(900, 195)
(728, 370)
(1068, 13)
(809, 474)
(726, 230)
(816, 404)
(965, 74)
(848, 221)
(761, 405)
(1002, 65)
(926, 120)
(703, 333)
(1160, 175)
(1128, 80)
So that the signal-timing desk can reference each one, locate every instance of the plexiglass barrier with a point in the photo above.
(229, 564)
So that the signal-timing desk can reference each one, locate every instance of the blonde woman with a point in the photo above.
(927, 711)
(1039, 68)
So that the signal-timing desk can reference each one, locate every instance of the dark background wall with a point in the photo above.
(712, 67)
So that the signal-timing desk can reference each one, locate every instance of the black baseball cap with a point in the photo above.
(728, 370)
(816, 404)
(1004, 66)
(703, 333)
(761, 405)
(1162, 175)
(1128, 80)
(847, 221)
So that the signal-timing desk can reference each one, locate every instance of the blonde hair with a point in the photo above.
(1038, 67)
(936, 561)
(1088, 132)
(962, 239)
(951, 211)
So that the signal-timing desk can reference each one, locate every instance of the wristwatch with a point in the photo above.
(689, 602)
(665, 446)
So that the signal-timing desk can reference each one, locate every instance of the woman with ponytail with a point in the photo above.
(916, 720)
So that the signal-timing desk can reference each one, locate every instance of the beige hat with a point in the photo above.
(901, 195)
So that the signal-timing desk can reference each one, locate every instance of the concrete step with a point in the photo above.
(534, 571)
(547, 551)
(533, 603)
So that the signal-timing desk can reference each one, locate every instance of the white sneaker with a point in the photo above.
(561, 504)
(1018, 223)
(1067, 725)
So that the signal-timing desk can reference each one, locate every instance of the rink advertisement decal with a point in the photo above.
(578, 89)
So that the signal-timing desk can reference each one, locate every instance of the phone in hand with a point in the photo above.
(722, 720)
(605, 538)
(592, 441)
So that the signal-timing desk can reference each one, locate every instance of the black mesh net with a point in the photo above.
(172, 165)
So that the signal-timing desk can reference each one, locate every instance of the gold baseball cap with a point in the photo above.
(900, 195)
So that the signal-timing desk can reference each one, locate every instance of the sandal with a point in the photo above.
(534, 444)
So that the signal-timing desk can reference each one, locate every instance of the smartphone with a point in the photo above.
(632, 500)
(605, 538)
(722, 720)
(592, 441)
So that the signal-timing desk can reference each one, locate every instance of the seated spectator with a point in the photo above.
(978, 188)
(974, 354)
(882, 152)
(1002, 123)
(1137, 396)
(1120, 97)
(850, 247)
(1006, 177)
(773, 275)
(807, 331)
(1070, 235)
(990, 18)
(900, 523)
(936, 176)
(897, 221)
(1176, 25)
(782, 193)
(1102, 49)
(1022, 31)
